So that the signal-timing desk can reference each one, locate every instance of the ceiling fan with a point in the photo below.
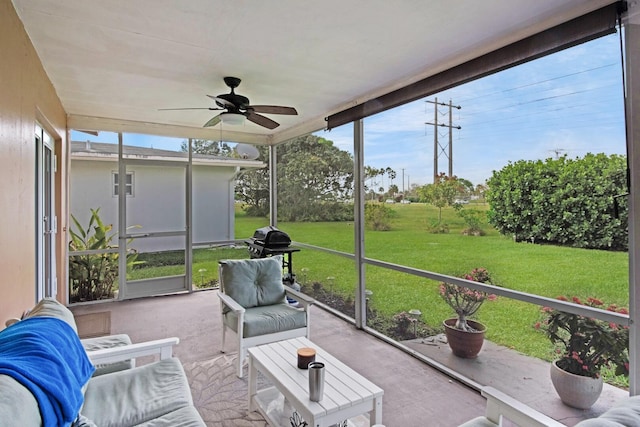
(238, 107)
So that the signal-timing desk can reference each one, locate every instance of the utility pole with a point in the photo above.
(557, 151)
(437, 148)
(403, 181)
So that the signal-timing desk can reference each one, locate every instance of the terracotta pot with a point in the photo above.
(575, 390)
(464, 344)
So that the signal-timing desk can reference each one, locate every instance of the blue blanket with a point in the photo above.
(45, 355)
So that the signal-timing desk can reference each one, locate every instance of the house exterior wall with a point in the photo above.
(26, 95)
(158, 201)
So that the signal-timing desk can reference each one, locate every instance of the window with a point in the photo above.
(128, 184)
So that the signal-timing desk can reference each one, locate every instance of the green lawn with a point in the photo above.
(540, 269)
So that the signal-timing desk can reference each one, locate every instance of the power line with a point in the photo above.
(540, 82)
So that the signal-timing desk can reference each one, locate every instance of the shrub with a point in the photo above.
(438, 227)
(561, 201)
(473, 219)
(378, 216)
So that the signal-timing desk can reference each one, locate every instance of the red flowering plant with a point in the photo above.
(585, 345)
(466, 301)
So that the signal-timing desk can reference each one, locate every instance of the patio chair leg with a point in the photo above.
(241, 354)
(224, 330)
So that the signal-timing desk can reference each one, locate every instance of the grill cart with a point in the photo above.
(268, 241)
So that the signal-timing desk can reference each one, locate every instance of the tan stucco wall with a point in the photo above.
(26, 95)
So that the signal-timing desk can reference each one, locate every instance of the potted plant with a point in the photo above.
(584, 346)
(465, 336)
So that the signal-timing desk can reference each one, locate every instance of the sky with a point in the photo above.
(569, 103)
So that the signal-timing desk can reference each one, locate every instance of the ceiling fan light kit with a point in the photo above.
(232, 118)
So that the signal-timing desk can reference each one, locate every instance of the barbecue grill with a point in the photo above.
(268, 241)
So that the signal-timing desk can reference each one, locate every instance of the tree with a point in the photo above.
(441, 193)
(202, 146)
(315, 178)
(252, 188)
(391, 174)
(466, 188)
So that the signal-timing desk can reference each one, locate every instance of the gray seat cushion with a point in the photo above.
(138, 395)
(624, 414)
(268, 319)
(109, 341)
(183, 417)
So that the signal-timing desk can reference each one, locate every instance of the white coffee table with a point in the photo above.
(347, 394)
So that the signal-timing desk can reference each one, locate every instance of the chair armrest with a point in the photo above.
(163, 347)
(500, 404)
(231, 303)
(305, 300)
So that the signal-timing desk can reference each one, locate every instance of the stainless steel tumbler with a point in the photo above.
(316, 381)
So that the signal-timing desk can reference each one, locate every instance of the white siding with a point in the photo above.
(158, 203)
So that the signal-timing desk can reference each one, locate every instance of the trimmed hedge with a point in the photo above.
(563, 201)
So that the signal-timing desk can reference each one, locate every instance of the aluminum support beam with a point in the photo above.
(273, 186)
(358, 207)
(631, 27)
(188, 255)
(122, 221)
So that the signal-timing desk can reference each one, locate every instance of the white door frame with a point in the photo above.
(45, 220)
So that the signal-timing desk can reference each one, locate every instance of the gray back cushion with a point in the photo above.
(253, 282)
(49, 307)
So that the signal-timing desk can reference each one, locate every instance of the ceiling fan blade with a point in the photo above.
(262, 120)
(273, 109)
(190, 108)
(212, 122)
(221, 101)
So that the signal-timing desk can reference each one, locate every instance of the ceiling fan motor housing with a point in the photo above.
(239, 101)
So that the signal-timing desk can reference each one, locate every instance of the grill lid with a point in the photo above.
(271, 237)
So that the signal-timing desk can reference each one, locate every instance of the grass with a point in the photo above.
(539, 269)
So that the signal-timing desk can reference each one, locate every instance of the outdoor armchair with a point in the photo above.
(253, 304)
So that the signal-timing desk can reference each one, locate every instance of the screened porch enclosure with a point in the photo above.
(373, 275)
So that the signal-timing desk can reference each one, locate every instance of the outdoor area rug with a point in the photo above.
(219, 395)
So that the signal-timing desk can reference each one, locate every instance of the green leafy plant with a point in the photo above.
(438, 227)
(94, 276)
(586, 345)
(466, 301)
(378, 216)
(473, 220)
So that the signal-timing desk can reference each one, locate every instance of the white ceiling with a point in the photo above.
(114, 63)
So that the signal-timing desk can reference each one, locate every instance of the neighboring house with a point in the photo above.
(156, 192)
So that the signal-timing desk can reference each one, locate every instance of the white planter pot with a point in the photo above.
(575, 390)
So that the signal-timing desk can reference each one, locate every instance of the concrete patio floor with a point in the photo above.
(415, 393)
